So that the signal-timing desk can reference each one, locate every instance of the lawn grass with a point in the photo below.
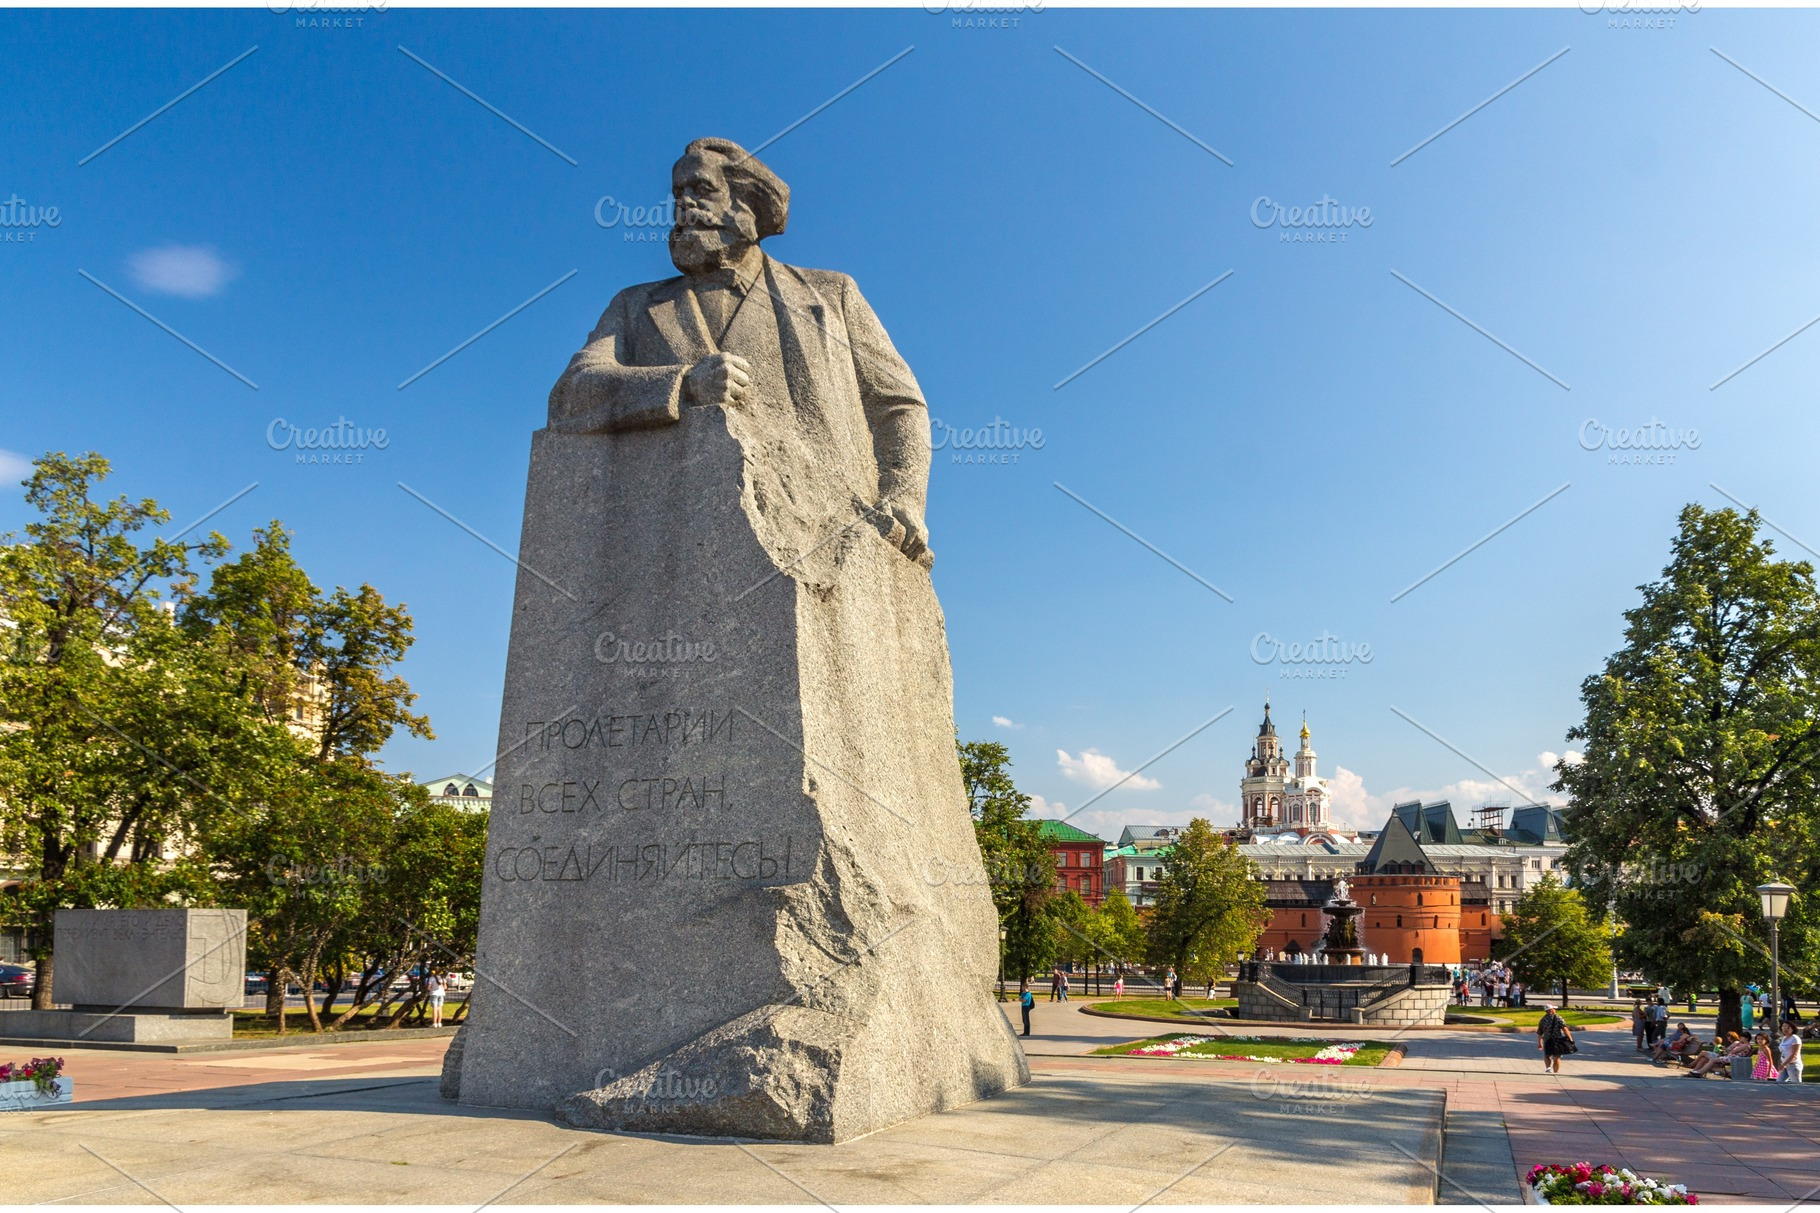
(251, 1024)
(1370, 1053)
(1527, 1016)
(1166, 1008)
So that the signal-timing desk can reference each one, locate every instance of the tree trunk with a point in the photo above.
(41, 988)
(334, 984)
(308, 980)
(363, 994)
(1564, 993)
(274, 992)
(1731, 1012)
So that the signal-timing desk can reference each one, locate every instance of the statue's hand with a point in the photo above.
(907, 531)
(719, 379)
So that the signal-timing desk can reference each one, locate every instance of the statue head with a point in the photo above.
(726, 202)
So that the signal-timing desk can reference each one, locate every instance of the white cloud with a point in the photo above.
(1005, 722)
(14, 467)
(188, 271)
(1217, 812)
(1042, 806)
(1099, 771)
(1107, 823)
(1351, 804)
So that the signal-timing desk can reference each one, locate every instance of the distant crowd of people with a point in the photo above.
(1494, 985)
(1764, 1055)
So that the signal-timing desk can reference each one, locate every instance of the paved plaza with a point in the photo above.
(363, 1124)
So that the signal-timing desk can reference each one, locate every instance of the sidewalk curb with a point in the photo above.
(299, 1040)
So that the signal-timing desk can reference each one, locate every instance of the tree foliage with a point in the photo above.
(1019, 867)
(1551, 941)
(1209, 905)
(166, 744)
(1701, 756)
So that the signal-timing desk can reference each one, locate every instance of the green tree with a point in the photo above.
(1701, 750)
(1119, 929)
(1019, 867)
(1209, 906)
(1074, 942)
(1552, 941)
(317, 667)
(110, 726)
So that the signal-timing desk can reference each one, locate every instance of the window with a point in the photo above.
(1374, 899)
(469, 791)
(1399, 920)
(451, 790)
(1484, 919)
(1061, 859)
(1304, 919)
(1140, 873)
(1418, 899)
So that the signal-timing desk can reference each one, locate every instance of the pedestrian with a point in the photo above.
(1637, 1026)
(1765, 1069)
(1554, 1039)
(436, 988)
(1118, 986)
(1169, 983)
(1791, 1054)
(1748, 1010)
(1055, 984)
(1063, 979)
(1027, 1001)
(1178, 988)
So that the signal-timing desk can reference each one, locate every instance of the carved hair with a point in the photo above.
(748, 177)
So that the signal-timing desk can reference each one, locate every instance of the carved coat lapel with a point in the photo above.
(678, 320)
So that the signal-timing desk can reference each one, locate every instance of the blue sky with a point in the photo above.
(1311, 436)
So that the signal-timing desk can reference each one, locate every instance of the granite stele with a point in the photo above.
(732, 886)
(164, 977)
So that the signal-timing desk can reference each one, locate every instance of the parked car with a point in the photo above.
(255, 983)
(17, 981)
(458, 983)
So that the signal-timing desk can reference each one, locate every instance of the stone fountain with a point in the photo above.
(1340, 944)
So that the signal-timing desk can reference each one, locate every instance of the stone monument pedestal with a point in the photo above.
(141, 977)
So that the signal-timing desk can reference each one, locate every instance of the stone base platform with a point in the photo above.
(1130, 1135)
(116, 1027)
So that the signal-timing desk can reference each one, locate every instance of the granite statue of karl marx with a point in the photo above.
(740, 896)
(741, 330)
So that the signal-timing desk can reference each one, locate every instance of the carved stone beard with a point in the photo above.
(696, 248)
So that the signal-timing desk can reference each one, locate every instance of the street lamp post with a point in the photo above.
(1611, 912)
(1775, 897)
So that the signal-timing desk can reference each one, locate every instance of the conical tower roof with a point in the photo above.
(1397, 850)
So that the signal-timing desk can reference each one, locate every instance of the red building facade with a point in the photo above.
(1080, 860)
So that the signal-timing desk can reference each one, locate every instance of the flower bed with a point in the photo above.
(1275, 1051)
(33, 1084)
(1582, 1183)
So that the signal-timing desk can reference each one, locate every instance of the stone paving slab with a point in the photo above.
(326, 1124)
(1076, 1139)
(364, 1125)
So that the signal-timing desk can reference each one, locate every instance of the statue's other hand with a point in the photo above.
(719, 379)
(914, 541)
